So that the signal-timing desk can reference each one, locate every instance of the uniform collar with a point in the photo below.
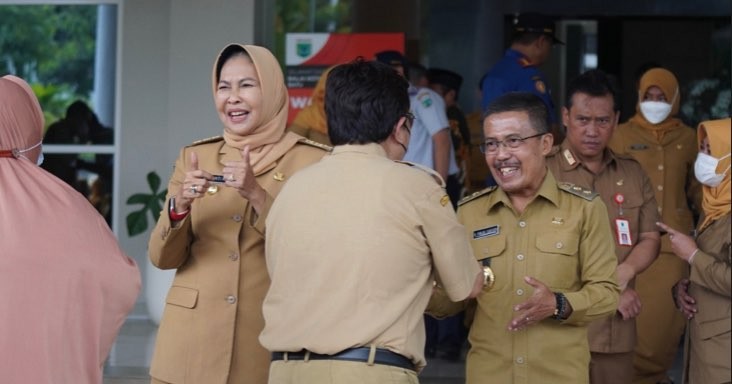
(367, 149)
(548, 191)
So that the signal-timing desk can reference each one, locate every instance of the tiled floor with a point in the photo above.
(130, 359)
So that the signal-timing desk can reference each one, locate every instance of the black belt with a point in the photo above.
(383, 357)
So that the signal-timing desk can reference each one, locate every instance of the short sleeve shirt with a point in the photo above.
(430, 117)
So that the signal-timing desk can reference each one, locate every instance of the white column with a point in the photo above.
(104, 64)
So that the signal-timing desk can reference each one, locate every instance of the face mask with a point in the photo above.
(655, 111)
(705, 169)
(40, 157)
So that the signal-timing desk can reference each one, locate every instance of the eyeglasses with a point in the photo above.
(410, 117)
(510, 142)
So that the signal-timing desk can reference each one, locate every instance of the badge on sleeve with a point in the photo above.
(444, 200)
(622, 230)
(540, 87)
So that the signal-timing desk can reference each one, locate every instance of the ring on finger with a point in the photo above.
(528, 318)
(194, 189)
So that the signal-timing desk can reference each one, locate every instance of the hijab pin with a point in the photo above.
(279, 176)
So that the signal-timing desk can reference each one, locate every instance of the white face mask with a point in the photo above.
(705, 169)
(655, 111)
(39, 161)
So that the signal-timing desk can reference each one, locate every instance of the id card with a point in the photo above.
(622, 230)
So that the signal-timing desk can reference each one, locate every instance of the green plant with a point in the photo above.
(137, 221)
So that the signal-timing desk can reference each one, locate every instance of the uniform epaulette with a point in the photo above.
(430, 171)
(315, 144)
(576, 190)
(524, 62)
(206, 140)
(476, 195)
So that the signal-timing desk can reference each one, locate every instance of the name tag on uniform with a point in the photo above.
(638, 147)
(622, 230)
(485, 232)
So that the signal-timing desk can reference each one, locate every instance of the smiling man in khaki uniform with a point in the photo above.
(550, 250)
(591, 115)
(355, 241)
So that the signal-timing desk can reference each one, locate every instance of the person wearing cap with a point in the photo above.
(430, 143)
(666, 149)
(353, 243)
(531, 44)
(591, 115)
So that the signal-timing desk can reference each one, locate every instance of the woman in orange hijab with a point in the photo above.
(213, 229)
(705, 297)
(666, 148)
(65, 285)
(310, 121)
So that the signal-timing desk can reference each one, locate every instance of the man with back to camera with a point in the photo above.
(353, 244)
(531, 45)
(546, 245)
(590, 117)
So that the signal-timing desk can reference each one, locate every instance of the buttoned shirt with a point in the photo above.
(669, 163)
(564, 241)
(628, 195)
(430, 118)
(351, 246)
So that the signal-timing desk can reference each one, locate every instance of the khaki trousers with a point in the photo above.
(337, 372)
(611, 368)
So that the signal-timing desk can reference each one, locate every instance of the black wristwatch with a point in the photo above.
(560, 312)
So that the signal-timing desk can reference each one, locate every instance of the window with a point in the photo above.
(68, 53)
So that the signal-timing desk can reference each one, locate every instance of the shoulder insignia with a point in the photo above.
(576, 190)
(429, 171)
(540, 86)
(207, 140)
(312, 143)
(476, 195)
(523, 62)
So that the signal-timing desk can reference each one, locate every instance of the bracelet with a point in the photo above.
(173, 215)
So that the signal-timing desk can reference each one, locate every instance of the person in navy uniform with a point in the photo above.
(531, 45)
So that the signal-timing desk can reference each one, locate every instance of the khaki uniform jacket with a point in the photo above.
(562, 239)
(620, 176)
(213, 311)
(708, 346)
(669, 163)
(353, 247)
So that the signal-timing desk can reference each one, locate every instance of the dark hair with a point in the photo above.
(363, 102)
(595, 83)
(229, 52)
(522, 102)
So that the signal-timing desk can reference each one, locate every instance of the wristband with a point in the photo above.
(173, 215)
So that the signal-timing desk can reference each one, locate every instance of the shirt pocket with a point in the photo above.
(182, 297)
(491, 250)
(556, 262)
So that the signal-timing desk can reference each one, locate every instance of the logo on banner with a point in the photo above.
(304, 47)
